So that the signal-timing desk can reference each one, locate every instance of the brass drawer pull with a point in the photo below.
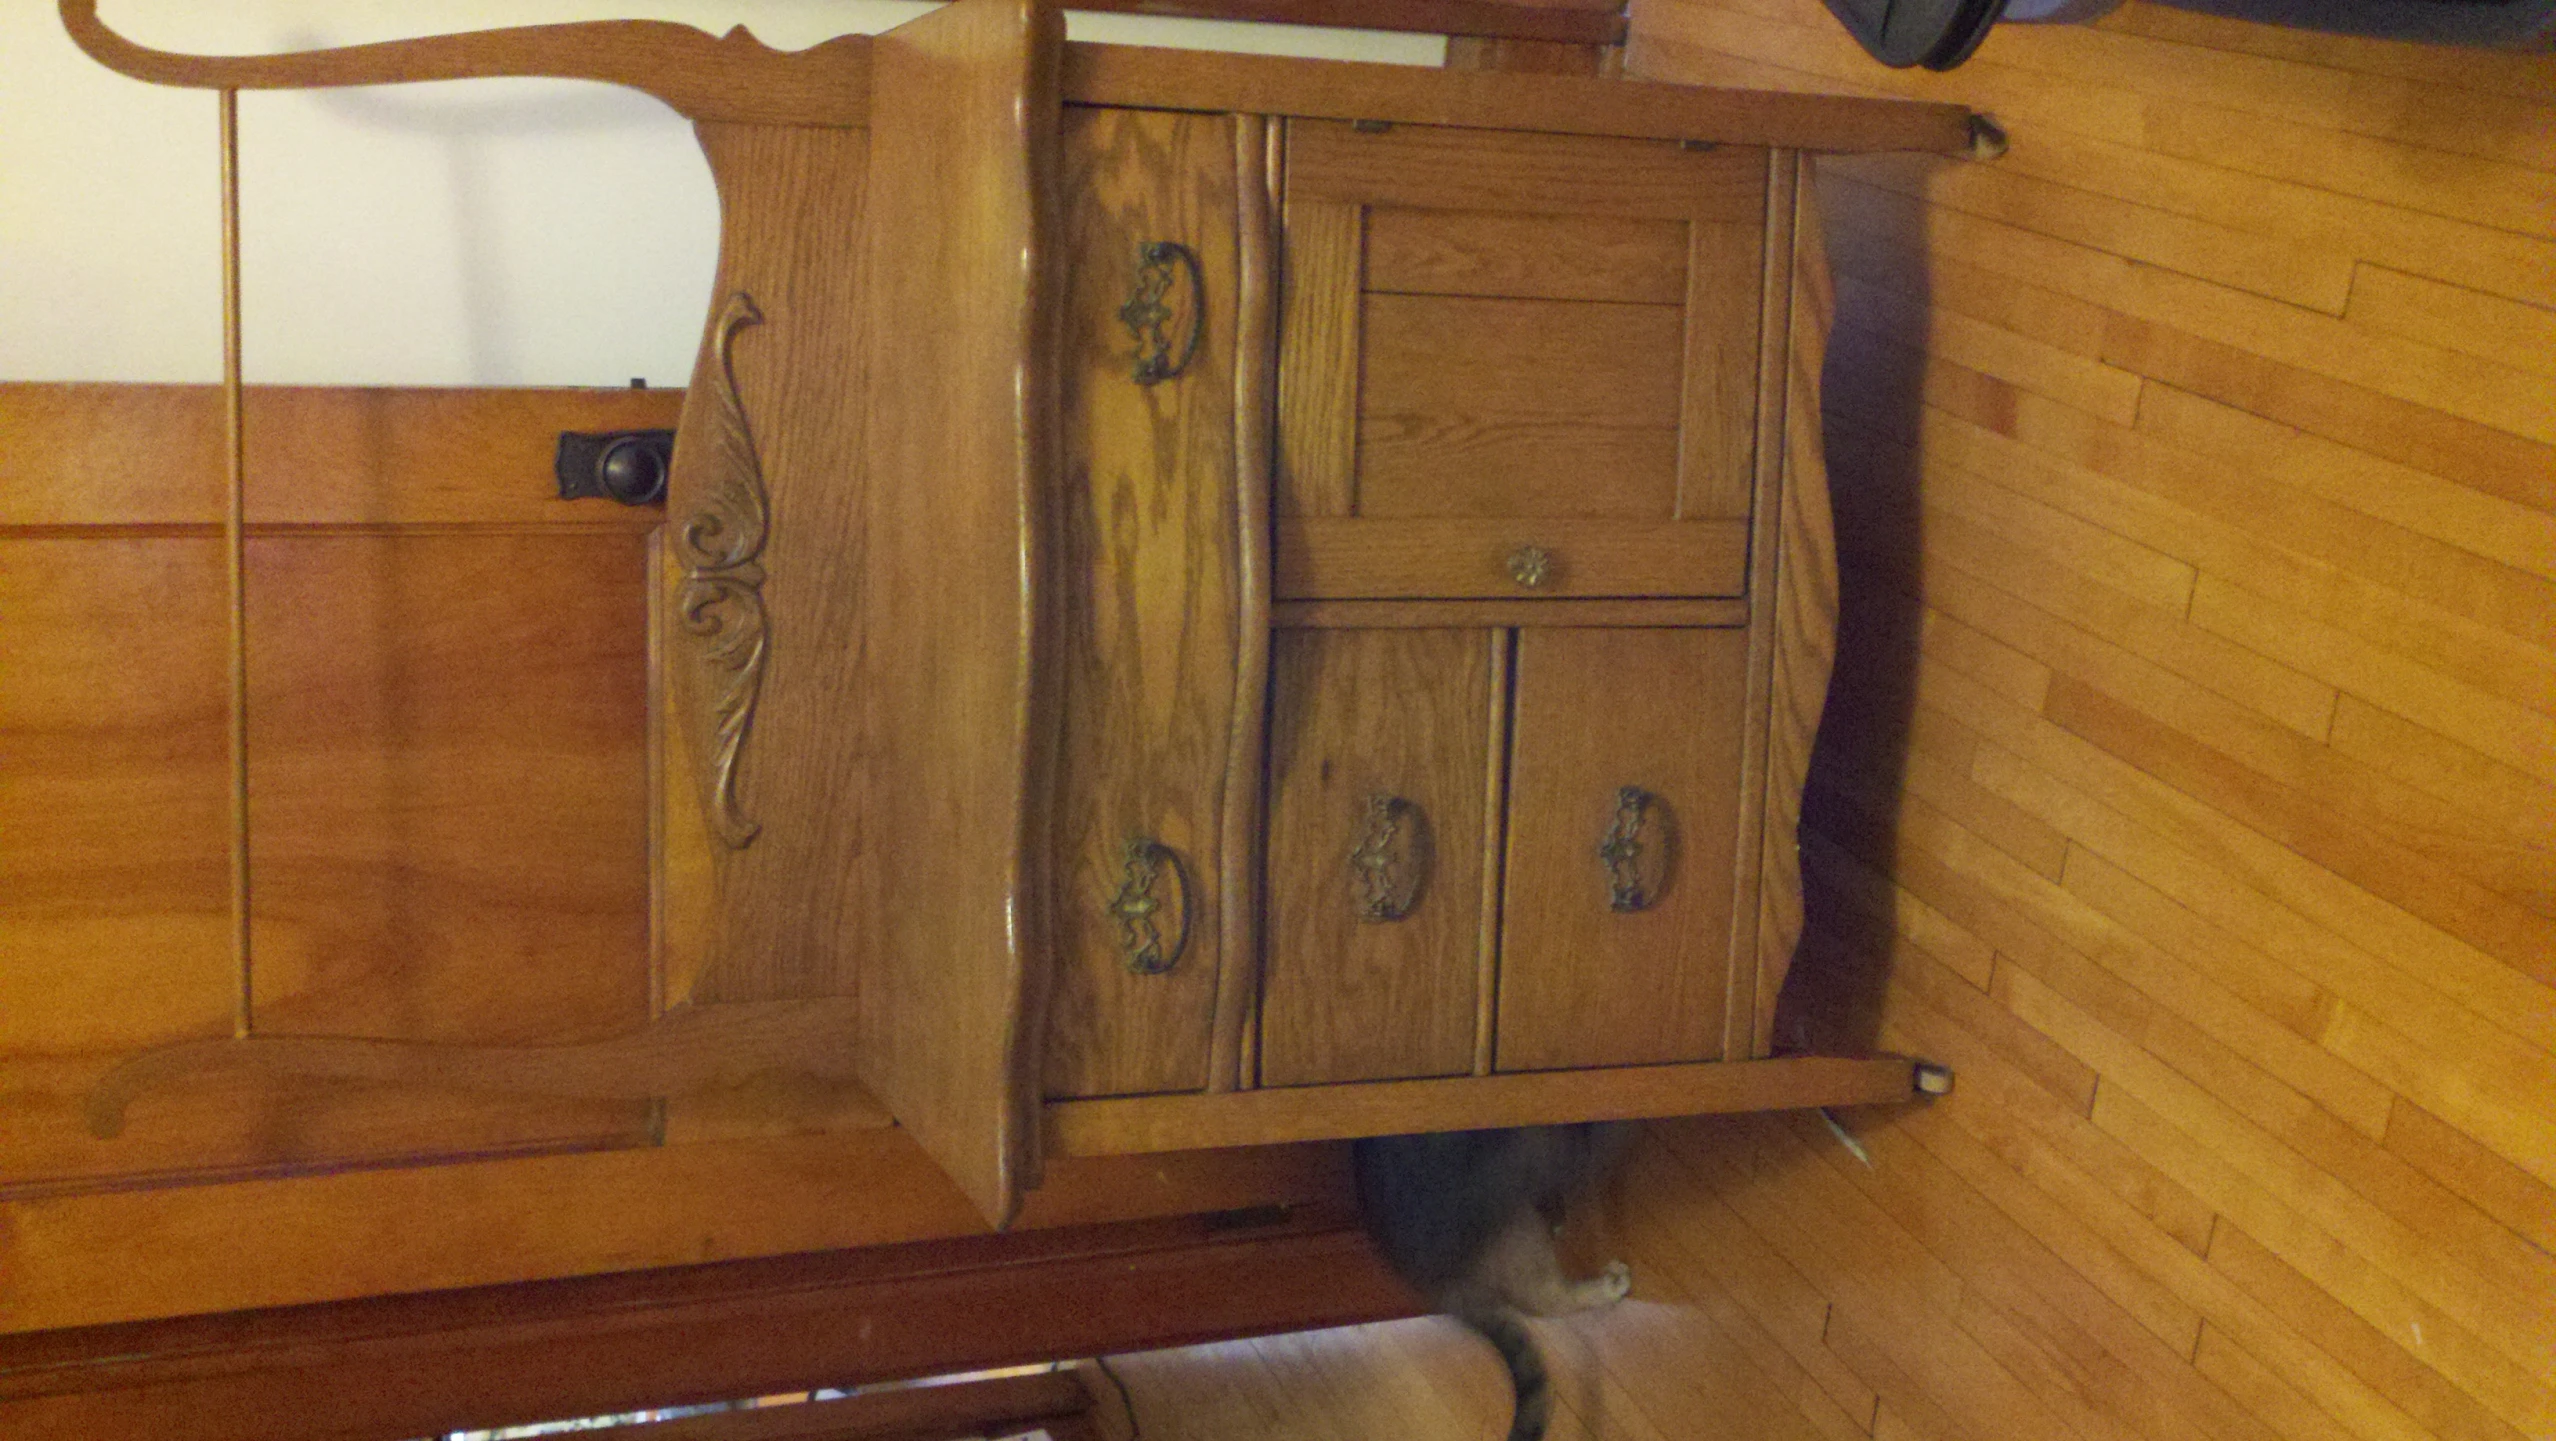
(1139, 912)
(1391, 860)
(1621, 849)
(1148, 319)
(1529, 565)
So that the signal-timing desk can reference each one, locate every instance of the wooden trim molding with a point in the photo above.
(1134, 1124)
(737, 78)
(404, 1366)
(1602, 23)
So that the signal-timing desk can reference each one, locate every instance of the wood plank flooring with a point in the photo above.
(2191, 788)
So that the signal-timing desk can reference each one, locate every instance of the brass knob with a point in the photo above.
(1529, 565)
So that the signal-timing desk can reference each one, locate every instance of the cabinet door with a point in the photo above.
(1623, 816)
(1516, 364)
(1147, 590)
(1380, 758)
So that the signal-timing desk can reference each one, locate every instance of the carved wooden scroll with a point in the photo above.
(720, 545)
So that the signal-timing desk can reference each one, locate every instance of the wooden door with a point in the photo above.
(1516, 364)
(1381, 747)
(1147, 590)
(1615, 942)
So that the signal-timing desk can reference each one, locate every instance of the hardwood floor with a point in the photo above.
(2190, 785)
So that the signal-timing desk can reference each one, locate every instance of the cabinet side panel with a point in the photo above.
(767, 920)
(958, 500)
(1805, 594)
(1625, 962)
(1378, 748)
(1146, 594)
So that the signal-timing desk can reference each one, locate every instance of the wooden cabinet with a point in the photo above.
(1210, 600)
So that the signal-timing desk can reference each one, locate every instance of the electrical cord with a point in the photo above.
(1135, 1429)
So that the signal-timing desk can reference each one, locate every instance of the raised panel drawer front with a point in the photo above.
(1615, 941)
(1516, 364)
(1381, 749)
(1147, 596)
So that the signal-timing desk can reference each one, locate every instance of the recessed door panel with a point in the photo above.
(1380, 754)
(1615, 943)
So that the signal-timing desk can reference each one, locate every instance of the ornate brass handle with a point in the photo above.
(1148, 319)
(1391, 860)
(1621, 850)
(1529, 565)
(1139, 912)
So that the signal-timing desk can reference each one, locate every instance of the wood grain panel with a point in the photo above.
(1148, 592)
(448, 830)
(113, 816)
(1322, 266)
(1322, 558)
(1473, 407)
(83, 1260)
(1525, 257)
(448, 797)
(95, 455)
(1356, 715)
(414, 794)
(1445, 614)
(1439, 168)
(773, 920)
(1581, 983)
(961, 449)
(1725, 285)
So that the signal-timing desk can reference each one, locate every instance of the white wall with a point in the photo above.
(484, 232)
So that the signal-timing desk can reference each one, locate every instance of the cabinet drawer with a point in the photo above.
(1147, 590)
(1380, 762)
(1615, 944)
(1546, 343)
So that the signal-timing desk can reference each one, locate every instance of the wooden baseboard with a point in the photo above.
(400, 1367)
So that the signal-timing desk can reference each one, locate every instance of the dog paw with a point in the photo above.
(1616, 1281)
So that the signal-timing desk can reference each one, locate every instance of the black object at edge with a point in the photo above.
(1938, 34)
(625, 465)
